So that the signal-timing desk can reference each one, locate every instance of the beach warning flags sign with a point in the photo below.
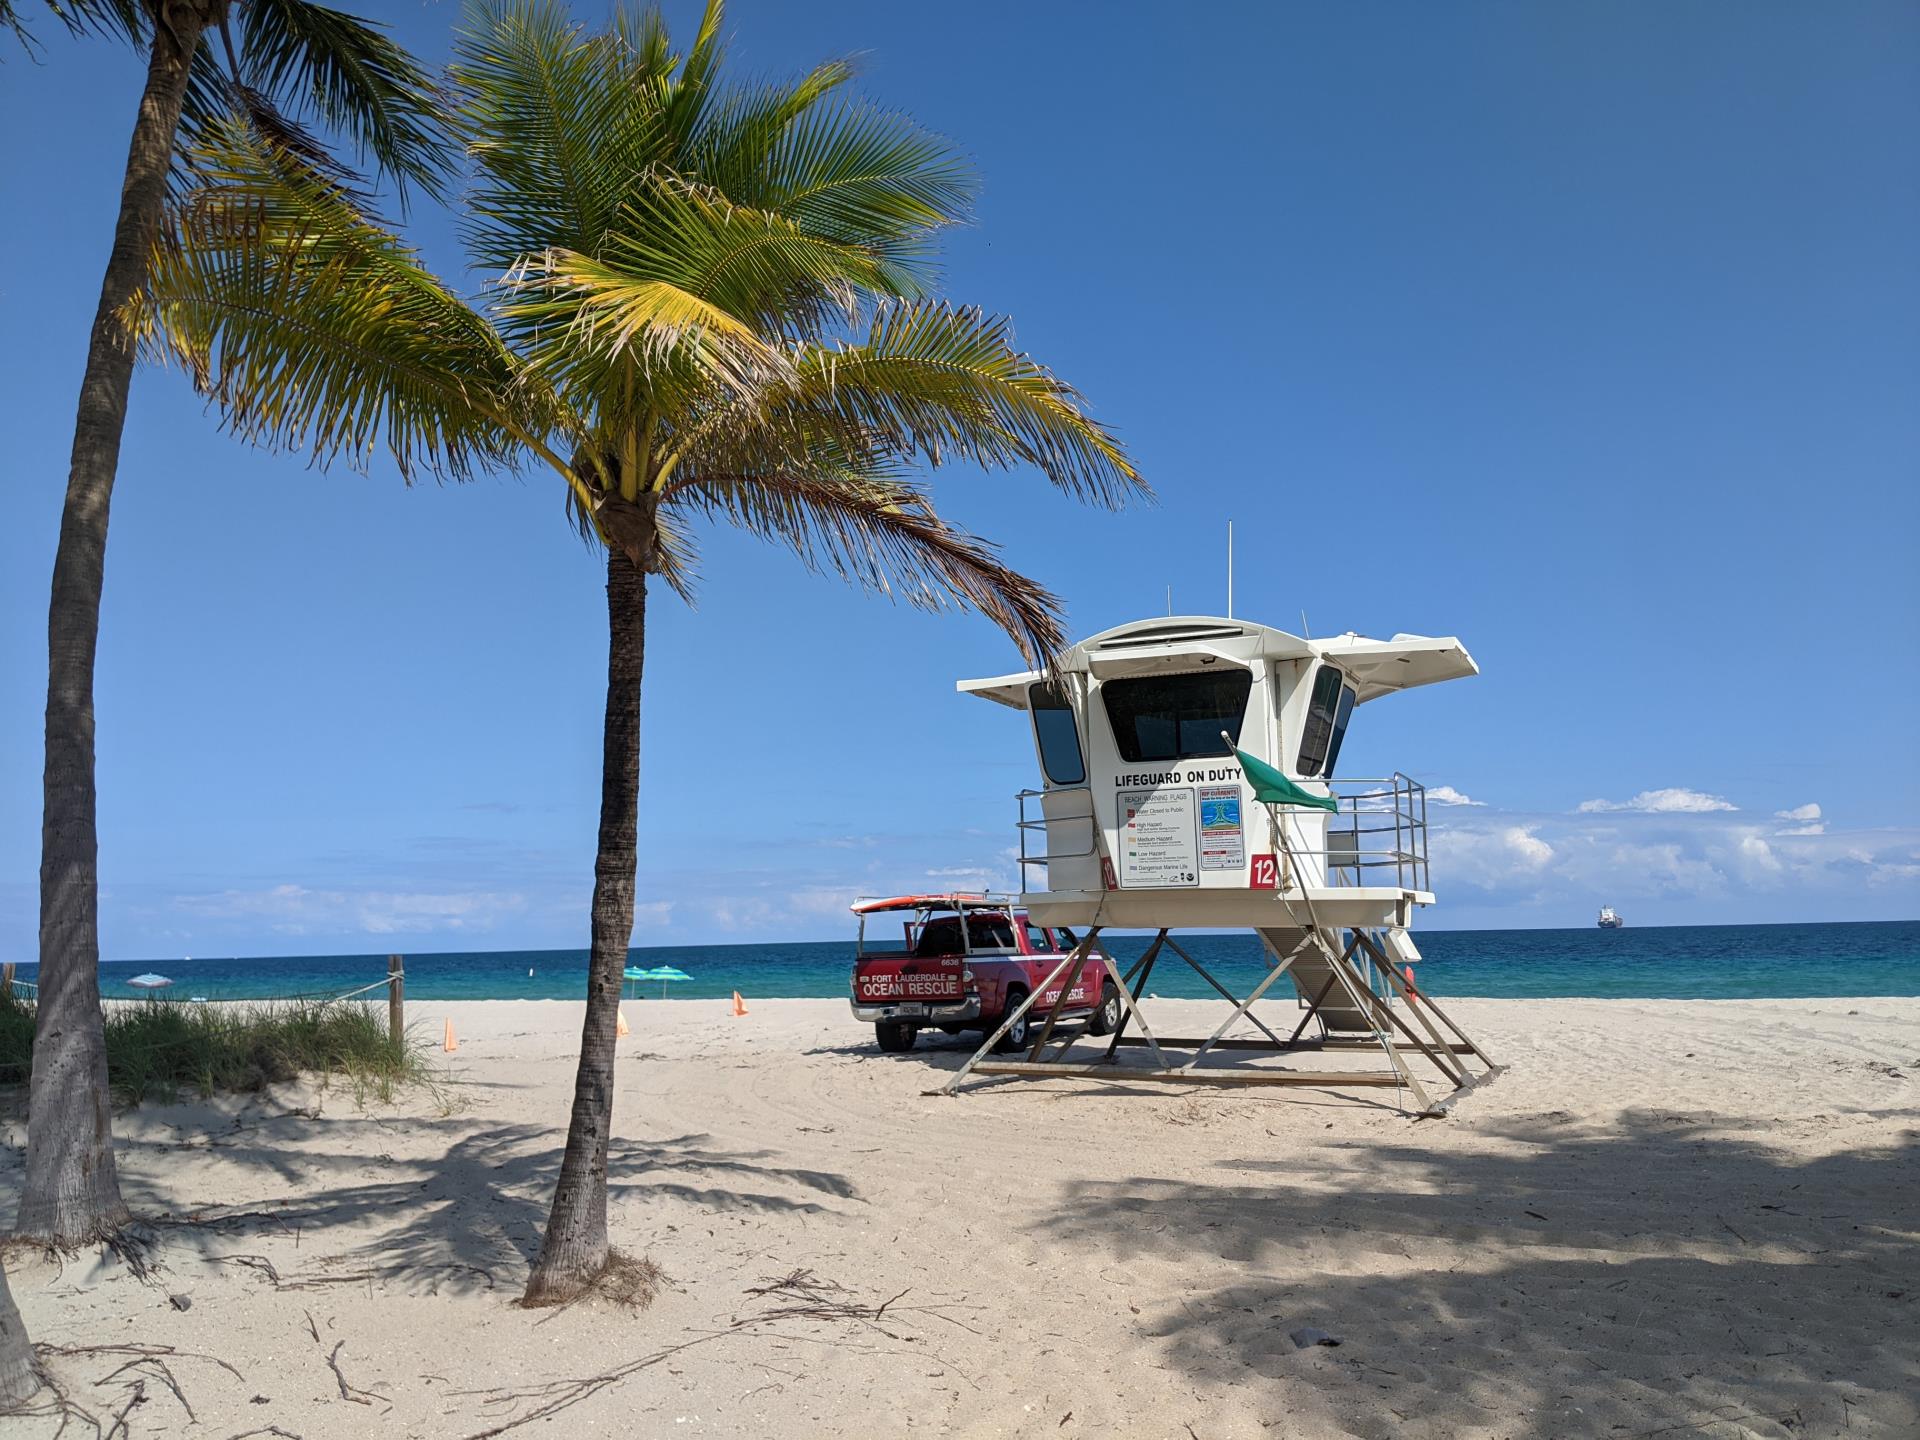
(450, 1044)
(620, 1028)
(739, 1005)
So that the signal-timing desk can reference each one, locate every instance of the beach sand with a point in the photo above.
(1664, 1219)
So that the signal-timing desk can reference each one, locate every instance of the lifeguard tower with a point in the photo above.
(1188, 766)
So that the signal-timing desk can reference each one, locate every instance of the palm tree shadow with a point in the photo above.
(1594, 1280)
(462, 1210)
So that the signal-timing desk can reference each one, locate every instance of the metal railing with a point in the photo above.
(1377, 837)
(1029, 824)
(1380, 827)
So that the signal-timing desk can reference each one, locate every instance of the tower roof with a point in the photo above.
(1142, 647)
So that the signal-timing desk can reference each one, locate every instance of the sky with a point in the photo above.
(1588, 333)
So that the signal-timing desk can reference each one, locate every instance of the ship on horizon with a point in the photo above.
(1610, 919)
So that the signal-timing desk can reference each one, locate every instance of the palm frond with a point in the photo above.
(753, 263)
(676, 556)
(734, 145)
(562, 127)
(584, 324)
(125, 19)
(312, 328)
(694, 79)
(858, 173)
(944, 382)
(354, 78)
(881, 533)
(216, 97)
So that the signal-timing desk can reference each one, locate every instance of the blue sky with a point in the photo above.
(1589, 333)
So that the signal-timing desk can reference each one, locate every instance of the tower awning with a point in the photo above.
(1008, 690)
(1383, 667)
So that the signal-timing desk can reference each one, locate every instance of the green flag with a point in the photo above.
(1272, 788)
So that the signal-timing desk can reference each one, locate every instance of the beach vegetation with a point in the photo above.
(710, 303)
(163, 1050)
(293, 75)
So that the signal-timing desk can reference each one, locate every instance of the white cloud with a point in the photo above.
(298, 910)
(1447, 795)
(1491, 859)
(1677, 800)
(1756, 858)
(1802, 820)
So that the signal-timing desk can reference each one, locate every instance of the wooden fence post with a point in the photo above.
(396, 1001)
(6, 979)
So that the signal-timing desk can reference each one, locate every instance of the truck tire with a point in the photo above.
(1016, 1038)
(1106, 1019)
(895, 1036)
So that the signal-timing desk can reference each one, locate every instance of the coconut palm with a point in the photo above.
(19, 1377)
(714, 305)
(272, 67)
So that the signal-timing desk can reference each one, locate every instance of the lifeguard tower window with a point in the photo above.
(1328, 711)
(1177, 717)
(1053, 726)
(1341, 714)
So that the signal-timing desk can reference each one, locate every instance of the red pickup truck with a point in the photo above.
(963, 962)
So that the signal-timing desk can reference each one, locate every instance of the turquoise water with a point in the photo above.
(1680, 962)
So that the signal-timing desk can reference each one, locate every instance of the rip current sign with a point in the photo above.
(1159, 844)
(1222, 843)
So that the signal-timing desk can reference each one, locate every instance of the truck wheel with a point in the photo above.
(1016, 1037)
(1106, 1019)
(894, 1036)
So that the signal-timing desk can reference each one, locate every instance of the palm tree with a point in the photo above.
(715, 305)
(19, 1376)
(270, 65)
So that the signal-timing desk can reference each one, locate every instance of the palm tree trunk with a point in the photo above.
(72, 1192)
(19, 1377)
(575, 1249)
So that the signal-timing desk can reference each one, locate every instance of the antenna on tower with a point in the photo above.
(1169, 599)
(1305, 634)
(1229, 569)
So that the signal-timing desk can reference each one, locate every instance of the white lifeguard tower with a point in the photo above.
(1159, 743)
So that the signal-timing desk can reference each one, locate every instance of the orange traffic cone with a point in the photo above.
(450, 1044)
(739, 1005)
(621, 1028)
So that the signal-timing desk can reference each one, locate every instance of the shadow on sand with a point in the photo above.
(1650, 1277)
(463, 1211)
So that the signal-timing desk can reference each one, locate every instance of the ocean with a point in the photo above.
(1694, 962)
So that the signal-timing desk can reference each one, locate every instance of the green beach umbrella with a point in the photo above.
(634, 972)
(664, 974)
(1270, 787)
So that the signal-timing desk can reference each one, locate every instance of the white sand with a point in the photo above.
(1665, 1219)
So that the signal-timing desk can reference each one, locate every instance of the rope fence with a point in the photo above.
(395, 984)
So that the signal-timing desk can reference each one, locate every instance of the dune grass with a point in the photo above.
(162, 1049)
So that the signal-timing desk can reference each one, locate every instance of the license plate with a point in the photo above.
(909, 1009)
